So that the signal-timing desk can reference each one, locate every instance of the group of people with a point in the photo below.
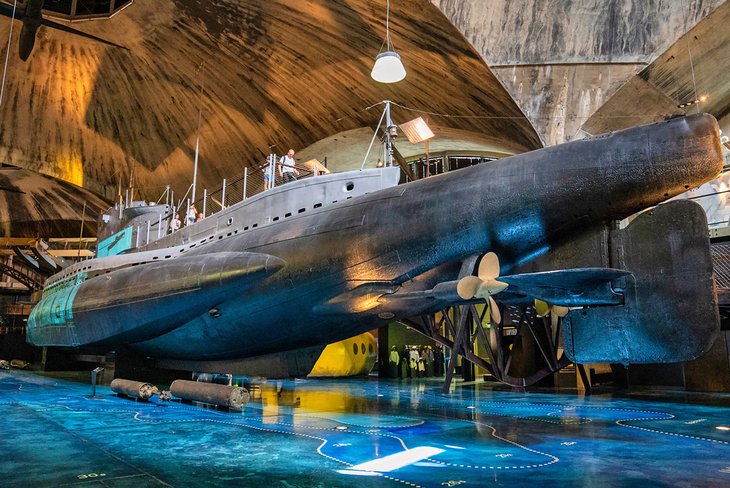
(190, 218)
(287, 170)
(415, 362)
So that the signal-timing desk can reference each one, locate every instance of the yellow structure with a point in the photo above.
(351, 357)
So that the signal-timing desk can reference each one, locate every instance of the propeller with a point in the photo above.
(484, 285)
(555, 312)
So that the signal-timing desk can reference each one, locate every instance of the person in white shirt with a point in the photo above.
(175, 223)
(190, 217)
(286, 167)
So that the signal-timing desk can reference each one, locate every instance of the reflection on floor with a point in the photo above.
(363, 432)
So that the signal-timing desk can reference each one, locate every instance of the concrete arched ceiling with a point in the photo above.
(34, 205)
(694, 68)
(284, 72)
(562, 61)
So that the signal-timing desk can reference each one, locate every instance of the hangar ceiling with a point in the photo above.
(583, 67)
(282, 72)
(246, 74)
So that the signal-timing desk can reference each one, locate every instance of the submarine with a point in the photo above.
(261, 287)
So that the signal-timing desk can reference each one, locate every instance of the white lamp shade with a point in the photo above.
(388, 68)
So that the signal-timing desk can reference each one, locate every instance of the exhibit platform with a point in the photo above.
(361, 432)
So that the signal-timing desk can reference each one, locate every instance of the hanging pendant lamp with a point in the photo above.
(388, 67)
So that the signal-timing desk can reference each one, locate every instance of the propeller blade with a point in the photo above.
(489, 287)
(494, 311)
(542, 308)
(489, 267)
(468, 286)
(560, 311)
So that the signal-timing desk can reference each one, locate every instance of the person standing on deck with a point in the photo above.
(286, 167)
(192, 213)
(175, 223)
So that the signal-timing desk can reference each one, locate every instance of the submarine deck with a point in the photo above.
(307, 433)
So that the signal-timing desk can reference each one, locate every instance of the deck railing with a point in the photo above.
(251, 183)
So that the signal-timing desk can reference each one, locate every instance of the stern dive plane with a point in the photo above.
(261, 287)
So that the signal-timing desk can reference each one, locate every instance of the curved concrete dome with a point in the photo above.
(34, 205)
(282, 72)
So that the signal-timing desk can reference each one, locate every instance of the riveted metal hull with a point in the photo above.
(342, 259)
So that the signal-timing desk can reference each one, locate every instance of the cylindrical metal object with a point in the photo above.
(134, 389)
(447, 291)
(245, 180)
(223, 196)
(218, 379)
(223, 395)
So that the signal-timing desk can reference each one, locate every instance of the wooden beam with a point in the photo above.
(403, 164)
(18, 241)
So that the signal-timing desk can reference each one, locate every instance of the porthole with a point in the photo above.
(288, 214)
(362, 347)
(230, 221)
(275, 219)
(302, 210)
(317, 205)
(349, 186)
(370, 348)
(354, 348)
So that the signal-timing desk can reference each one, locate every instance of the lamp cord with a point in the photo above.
(387, 23)
(7, 53)
(689, 54)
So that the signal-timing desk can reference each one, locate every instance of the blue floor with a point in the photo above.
(315, 433)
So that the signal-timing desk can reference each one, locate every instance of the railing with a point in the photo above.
(21, 273)
(251, 183)
(246, 186)
(22, 309)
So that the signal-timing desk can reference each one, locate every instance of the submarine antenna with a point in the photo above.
(375, 133)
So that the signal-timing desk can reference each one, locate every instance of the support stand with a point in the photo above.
(495, 347)
(94, 374)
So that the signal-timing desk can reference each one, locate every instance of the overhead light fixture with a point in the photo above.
(417, 130)
(703, 98)
(388, 67)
